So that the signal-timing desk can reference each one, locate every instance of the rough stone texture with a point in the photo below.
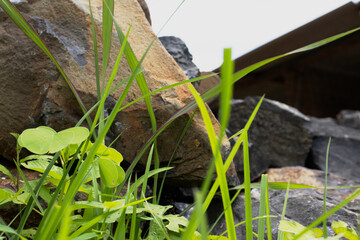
(279, 136)
(179, 51)
(349, 118)
(344, 149)
(145, 9)
(303, 206)
(33, 93)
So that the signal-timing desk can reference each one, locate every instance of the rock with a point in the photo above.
(349, 118)
(33, 92)
(145, 9)
(279, 136)
(344, 148)
(179, 51)
(303, 205)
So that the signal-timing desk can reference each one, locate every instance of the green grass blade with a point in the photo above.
(87, 225)
(65, 227)
(133, 63)
(281, 233)
(227, 70)
(29, 188)
(247, 182)
(221, 172)
(147, 169)
(7, 229)
(200, 216)
(325, 187)
(193, 226)
(220, 216)
(31, 201)
(244, 222)
(96, 57)
(268, 220)
(262, 207)
(173, 154)
(108, 11)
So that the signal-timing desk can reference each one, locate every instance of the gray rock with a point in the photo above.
(344, 153)
(180, 52)
(279, 136)
(349, 118)
(303, 206)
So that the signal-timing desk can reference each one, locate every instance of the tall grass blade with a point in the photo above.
(173, 154)
(201, 216)
(220, 216)
(108, 12)
(325, 187)
(96, 57)
(227, 70)
(65, 227)
(218, 162)
(193, 225)
(147, 170)
(281, 234)
(247, 182)
(268, 220)
(7, 229)
(134, 64)
(262, 207)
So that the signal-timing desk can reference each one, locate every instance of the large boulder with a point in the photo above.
(33, 93)
(279, 135)
(344, 152)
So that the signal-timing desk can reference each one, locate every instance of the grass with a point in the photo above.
(105, 215)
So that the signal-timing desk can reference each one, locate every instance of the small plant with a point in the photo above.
(340, 228)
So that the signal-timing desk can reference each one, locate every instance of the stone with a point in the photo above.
(180, 52)
(303, 205)
(344, 149)
(349, 118)
(33, 92)
(145, 9)
(279, 136)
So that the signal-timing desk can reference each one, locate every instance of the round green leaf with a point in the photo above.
(61, 140)
(114, 155)
(102, 150)
(111, 173)
(79, 134)
(37, 140)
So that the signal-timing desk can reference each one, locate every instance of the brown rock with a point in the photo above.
(145, 8)
(33, 92)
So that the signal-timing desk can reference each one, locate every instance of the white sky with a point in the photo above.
(209, 26)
